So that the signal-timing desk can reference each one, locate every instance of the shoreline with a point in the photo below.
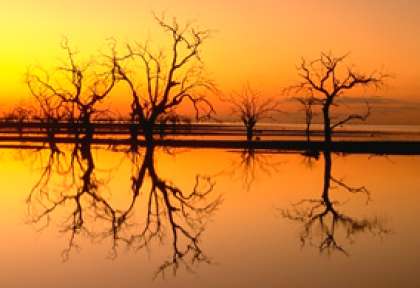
(356, 147)
(25, 135)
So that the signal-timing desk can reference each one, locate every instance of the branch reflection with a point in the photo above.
(167, 211)
(252, 162)
(185, 213)
(322, 217)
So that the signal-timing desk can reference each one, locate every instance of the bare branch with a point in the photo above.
(168, 83)
(352, 117)
(325, 80)
(252, 108)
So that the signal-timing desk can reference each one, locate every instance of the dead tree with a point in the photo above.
(251, 108)
(49, 110)
(73, 91)
(328, 78)
(170, 78)
(18, 116)
(308, 103)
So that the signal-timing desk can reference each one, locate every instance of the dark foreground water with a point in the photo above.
(90, 217)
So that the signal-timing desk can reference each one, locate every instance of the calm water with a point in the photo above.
(96, 217)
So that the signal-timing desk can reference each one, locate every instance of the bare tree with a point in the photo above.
(73, 90)
(49, 110)
(308, 103)
(328, 78)
(251, 108)
(18, 116)
(170, 78)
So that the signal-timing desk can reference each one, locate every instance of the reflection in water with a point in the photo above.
(80, 195)
(252, 162)
(185, 213)
(321, 217)
(243, 215)
(167, 210)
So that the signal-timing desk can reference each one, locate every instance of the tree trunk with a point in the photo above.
(249, 133)
(133, 127)
(308, 131)
(327, 179)
(88, 127)
(51, 130)
(327, 125)
(148, 133)
(149, 160)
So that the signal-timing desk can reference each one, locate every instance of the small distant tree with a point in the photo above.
(308, 103)
(251, 108)
(328, 78)
(18, 115)
(170, 79)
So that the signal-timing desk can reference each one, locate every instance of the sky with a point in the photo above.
(257, 42)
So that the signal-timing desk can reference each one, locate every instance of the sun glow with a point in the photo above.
(252, 41)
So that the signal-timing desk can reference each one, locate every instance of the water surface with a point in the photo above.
(213, 218)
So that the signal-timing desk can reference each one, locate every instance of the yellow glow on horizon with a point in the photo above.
(256, 41)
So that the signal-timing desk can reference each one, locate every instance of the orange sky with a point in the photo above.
(256, 41)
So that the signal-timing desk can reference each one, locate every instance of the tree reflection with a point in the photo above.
(185, 213)
(251, 162)
(167, 210)
(322, 218)
(79, 194)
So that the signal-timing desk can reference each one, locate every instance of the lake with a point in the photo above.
(100, 216)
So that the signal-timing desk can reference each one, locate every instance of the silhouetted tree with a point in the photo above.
(73, 91)
(251, 108)
(18, 116)
(308, 103)
(49, 109)
(173, 122)
(328, 78)
(170, 78)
